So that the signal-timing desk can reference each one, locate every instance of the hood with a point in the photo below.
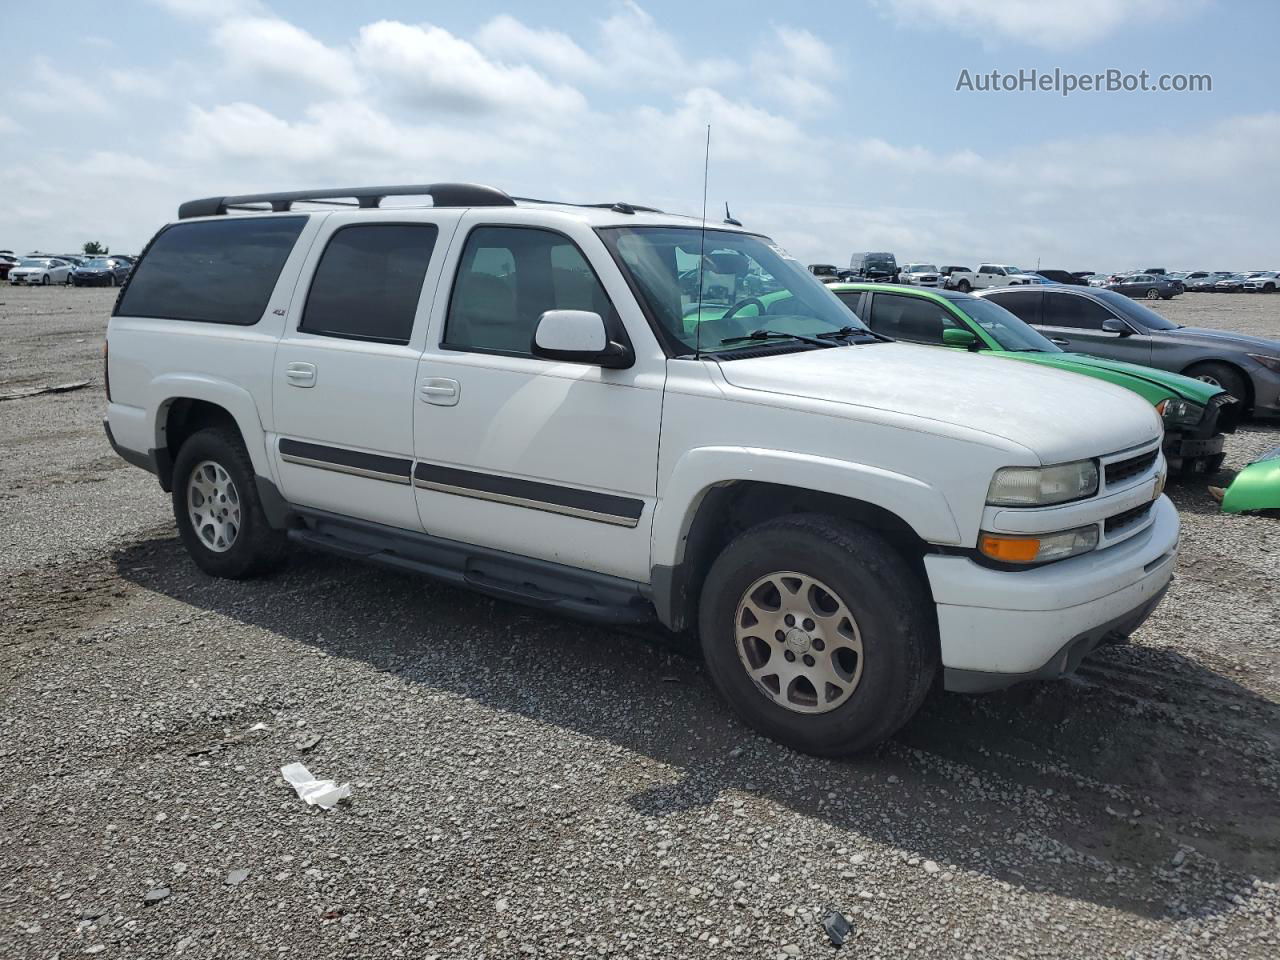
(1219, 337)
(1058, 416)
(1187, 388)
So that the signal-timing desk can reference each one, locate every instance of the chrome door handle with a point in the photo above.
(441, 391)
(1059, 343)
(300, 374)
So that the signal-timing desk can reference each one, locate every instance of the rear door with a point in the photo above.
(1074, 322)
(344, 370)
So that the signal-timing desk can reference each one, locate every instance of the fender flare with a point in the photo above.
(918, 504)
(235, 399)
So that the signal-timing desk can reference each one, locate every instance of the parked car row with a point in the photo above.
(67, 269)
(1152, 283)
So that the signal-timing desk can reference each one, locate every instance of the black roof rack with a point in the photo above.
(619, 206)
(441, 194)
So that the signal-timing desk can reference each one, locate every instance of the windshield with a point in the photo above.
(922, 268)
(1009, 331)
(748, 284)
(1132, 310)
(33, 262)
(99, 263)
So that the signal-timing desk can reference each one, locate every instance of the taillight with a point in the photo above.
(106, 372)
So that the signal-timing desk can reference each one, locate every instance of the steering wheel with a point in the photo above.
(732, 311)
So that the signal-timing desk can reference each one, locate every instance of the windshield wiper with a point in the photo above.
(854, 332)
(776, 335)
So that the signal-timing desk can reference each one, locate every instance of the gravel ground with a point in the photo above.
(525, 786)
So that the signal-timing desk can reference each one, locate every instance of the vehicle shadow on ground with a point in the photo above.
(1037, 786)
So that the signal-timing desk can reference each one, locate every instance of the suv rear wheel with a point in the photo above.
(817, 633)
(217, 508)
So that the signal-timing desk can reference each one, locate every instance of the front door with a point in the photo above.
(345, 368)
(1074, 322)
(541, 458)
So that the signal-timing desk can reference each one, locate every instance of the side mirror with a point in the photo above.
(955, 337)
(1112, 325)
(580, 336)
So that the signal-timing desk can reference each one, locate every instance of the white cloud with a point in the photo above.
(636, 49)
(48, 89)
(1053, 24)
(9, 125)
(428, 67)
(507, 39)
(794, 67)
(274, 49)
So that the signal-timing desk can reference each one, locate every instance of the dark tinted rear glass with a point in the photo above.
(214, 271)
(368, 282)
(1073, 310)
(1023, 304)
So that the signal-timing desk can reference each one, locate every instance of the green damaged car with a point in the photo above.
(1195, 414)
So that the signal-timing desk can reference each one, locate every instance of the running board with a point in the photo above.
(582, 594)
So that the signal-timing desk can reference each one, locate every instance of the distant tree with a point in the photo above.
(94, 247)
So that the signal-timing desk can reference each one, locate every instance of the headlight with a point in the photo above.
(1043, 486)
(1179, 413)
(1271, 363)
(1040, 548)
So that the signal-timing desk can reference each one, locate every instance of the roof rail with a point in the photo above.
(441, 194)
(619, 206)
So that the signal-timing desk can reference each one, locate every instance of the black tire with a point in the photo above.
(1154, 294)
(1214, 463)
(255, 548)
(890, 606)
(44, 281)
(964, 286)
(1268, 288)
(1224, 375)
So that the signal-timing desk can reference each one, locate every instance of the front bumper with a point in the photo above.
(999, 627)
(1266, 392)
(91, 280)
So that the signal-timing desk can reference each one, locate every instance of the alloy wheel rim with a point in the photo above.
(1206, 378)
(798, 642)
(213, 504)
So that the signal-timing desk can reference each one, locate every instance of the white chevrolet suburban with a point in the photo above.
(629, 416)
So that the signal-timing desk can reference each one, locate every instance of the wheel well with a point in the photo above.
(184, 417)
(729, 510)
(1244, 377)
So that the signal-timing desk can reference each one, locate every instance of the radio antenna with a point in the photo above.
(702, 249)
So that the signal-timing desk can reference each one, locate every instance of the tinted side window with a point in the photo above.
(909, 318)
(368, 282)
(1069, 310)
(1023, 304)
(507, 278)
(850, 300)
(216, 271)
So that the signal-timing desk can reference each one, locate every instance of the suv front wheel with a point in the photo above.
(818, 633)
(217, 508)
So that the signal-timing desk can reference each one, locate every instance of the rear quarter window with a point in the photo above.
(211, 271)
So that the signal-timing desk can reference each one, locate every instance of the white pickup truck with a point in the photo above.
(628, 416)
(990, 275)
